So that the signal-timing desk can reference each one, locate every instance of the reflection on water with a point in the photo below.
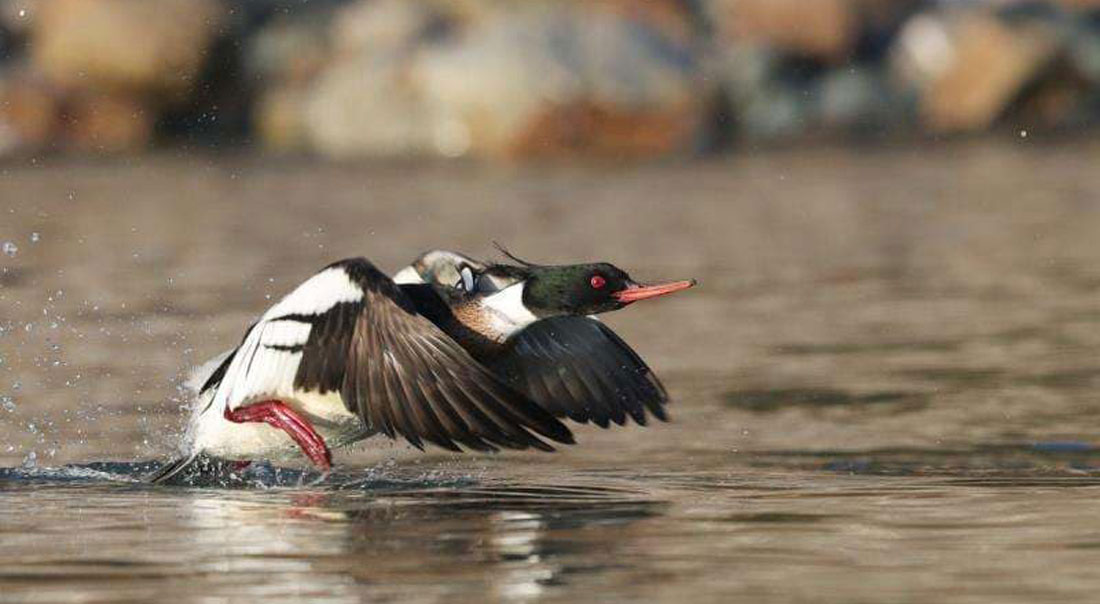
(885, 387)
(767, 532)
(354, 537)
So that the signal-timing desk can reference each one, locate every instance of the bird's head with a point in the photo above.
(587, 289)
(526, 288)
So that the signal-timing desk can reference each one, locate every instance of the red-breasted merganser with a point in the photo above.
(451, 351)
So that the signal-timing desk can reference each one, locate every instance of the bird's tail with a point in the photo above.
(202, 383)
(173, 469)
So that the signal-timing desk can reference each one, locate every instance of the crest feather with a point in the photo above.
(503, 250)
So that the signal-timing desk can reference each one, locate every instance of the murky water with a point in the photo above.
(885, 386)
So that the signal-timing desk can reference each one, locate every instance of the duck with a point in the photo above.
(459, 353)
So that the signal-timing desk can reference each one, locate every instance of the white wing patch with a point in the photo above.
(285, 333)
(407, 276)
(317, 294)
(196, 379)
(256, 372)
(264, 367)
(267, 361)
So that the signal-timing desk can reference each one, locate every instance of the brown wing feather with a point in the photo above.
(403, 375)
(578, 368)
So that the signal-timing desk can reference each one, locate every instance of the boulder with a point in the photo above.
(283, 60)
(968, 66)
(367, 105)
(857, 99)
(99, 122)
(30, 112)
(823, 29)
(374, 26)
(1078, 5)
(520, 80)
(36, 115)
(336, 79)
(554, 79)
(149, 48)
(775, 111)
(279, 119)
(16, 16)
(290, 51)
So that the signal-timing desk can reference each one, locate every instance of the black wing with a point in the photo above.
(576, 367)
(403, 375)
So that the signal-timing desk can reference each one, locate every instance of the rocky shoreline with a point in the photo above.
(505, 80)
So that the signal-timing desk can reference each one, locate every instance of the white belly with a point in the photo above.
(213, 434)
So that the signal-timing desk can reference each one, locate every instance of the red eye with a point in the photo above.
(598, 281)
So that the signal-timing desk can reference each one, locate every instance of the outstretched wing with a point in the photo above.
(351, 332)
(576, 367)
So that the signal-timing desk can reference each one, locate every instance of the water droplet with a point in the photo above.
(9, 248)
(8, 403)
(35, 237)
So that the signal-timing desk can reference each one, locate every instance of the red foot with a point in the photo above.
(279, 415)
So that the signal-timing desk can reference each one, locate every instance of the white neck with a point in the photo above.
(508, 314)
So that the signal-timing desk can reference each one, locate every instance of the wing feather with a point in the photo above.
(349, 329)
(396, 352)
(577, 367)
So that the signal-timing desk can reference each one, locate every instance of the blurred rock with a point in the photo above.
(107, 123)
(36, 115)
(824, 29)
(152, 48)
(679, 21)
(386, 25)
(774, 112)
(968, 66)
(369, 105)
(366, 102)
(1078, 5)
(337, 80)
(17, 16)
(552, 79)
(501, 78)
(528, 80)
(1084, 52)
(290, 51)
(30, 112)
(280, 119)
(857, 99)
(283, 60)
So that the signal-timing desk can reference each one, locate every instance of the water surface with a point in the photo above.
(884, 387)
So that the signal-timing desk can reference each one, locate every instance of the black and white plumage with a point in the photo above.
(572, 366)
(576, 367)
(351, 353)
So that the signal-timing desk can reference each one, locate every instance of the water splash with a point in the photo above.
(222, 474)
